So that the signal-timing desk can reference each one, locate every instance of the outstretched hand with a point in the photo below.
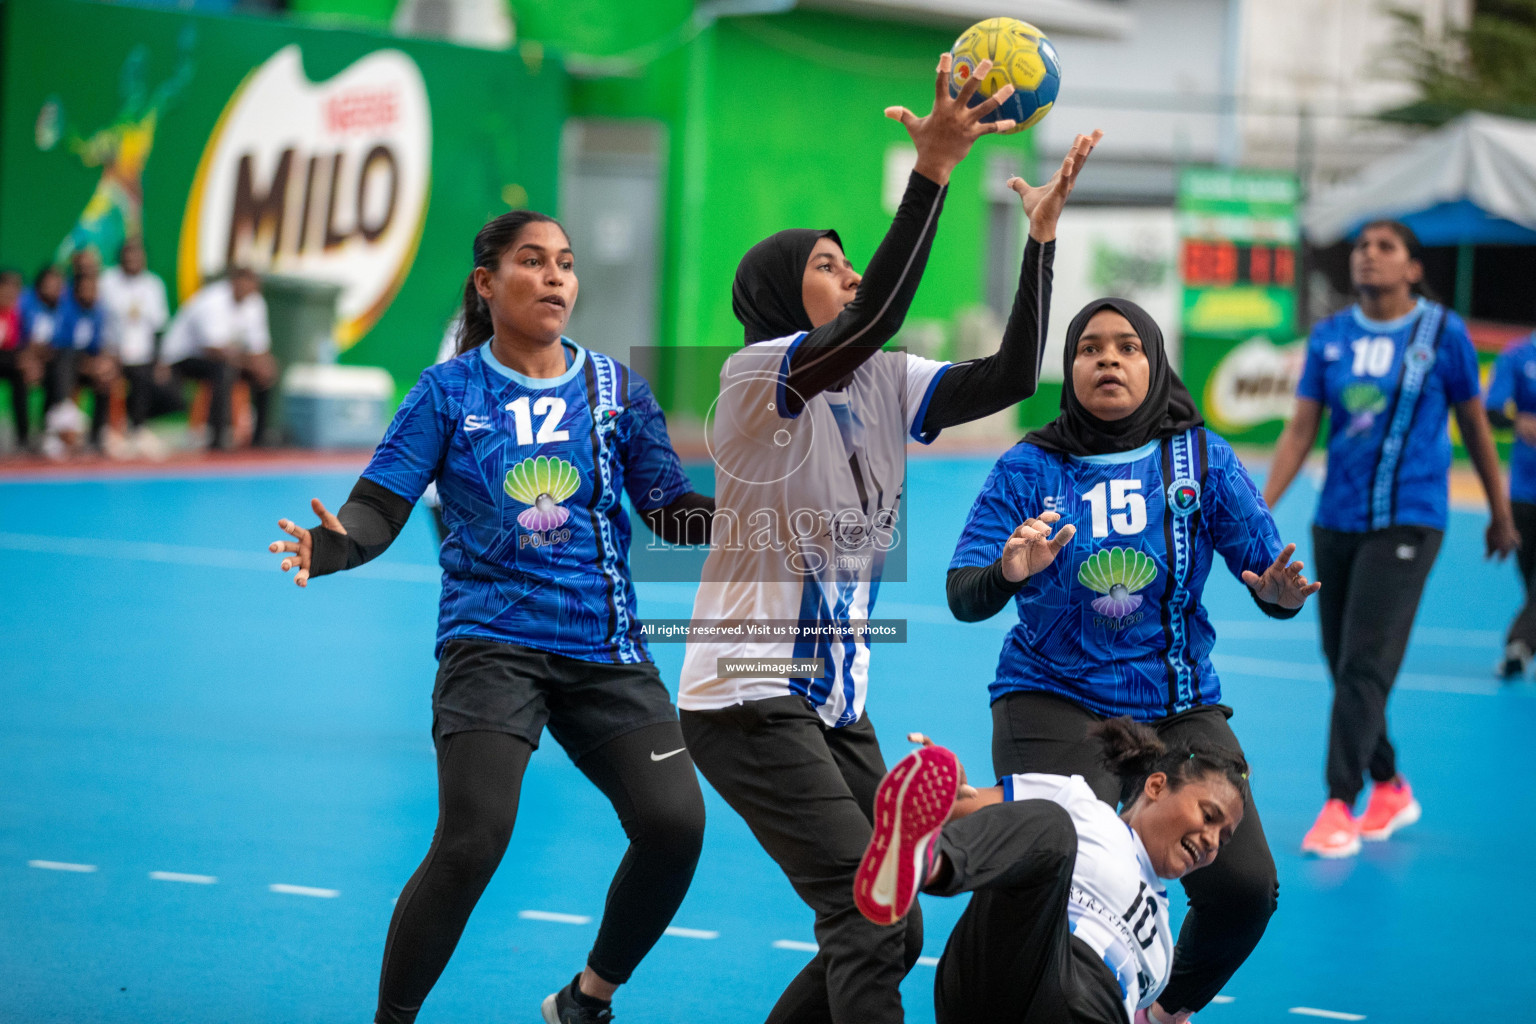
(301, 549)
(945, 135)
(1031, 547)
(1282, 583)
(1043, 203)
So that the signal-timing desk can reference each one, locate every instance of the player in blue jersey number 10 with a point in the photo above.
(532, 441)
(1110, 617)
(1390, 369)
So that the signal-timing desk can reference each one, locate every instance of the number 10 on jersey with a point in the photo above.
(1117, 503)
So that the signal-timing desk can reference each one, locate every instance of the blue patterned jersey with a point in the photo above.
(1388, 386)
(1115, 623)
(532, 474)
(1514, 385)
(77, 328)
(38, 319)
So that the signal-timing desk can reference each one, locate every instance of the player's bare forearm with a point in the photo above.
(1291, 450)
(1478, 439)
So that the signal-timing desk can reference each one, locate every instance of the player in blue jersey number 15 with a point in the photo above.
(1110, 617)
(533, 442)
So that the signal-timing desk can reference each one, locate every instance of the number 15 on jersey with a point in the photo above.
(1117, 504)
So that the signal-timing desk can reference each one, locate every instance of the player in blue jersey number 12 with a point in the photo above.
(1110, 617)
(532, 441)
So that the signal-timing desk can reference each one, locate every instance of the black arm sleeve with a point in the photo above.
(373, 516)
(980, 387)
(685, 521)
(978, 592)
(835, 349)
(1275, 611)
(1499, 419)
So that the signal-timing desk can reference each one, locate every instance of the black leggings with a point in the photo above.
(479, 778)
(10, 372)
(1011, 958)
(1372, 583)
(1230, 902)
(1523, 628)
(807, 791)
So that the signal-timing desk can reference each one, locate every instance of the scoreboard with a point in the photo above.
(1224, 263)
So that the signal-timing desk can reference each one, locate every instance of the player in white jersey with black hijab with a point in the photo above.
(808, 438)
(1068, 919)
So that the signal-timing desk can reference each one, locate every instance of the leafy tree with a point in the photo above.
(1487, 65)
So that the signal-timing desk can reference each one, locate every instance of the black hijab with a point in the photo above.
(1167, 410)
(766, 295)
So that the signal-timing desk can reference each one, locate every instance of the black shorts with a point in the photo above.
(484, 686)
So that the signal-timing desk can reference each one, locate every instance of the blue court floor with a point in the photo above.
(213, 784)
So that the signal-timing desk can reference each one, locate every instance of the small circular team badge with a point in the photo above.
(1184, 497)
(1421, 357)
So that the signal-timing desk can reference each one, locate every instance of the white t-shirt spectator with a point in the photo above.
(135, 311)
(213, 319)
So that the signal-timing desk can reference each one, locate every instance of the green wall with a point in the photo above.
(773, 121)
(495, 131)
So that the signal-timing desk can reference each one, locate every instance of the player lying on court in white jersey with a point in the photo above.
(1068, 920)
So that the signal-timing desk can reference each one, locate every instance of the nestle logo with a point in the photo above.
(362, 110)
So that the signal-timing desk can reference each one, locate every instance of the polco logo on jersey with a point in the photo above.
(327, 181)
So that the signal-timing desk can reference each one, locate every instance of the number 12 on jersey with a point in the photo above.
(523, 422)
(1128, 507)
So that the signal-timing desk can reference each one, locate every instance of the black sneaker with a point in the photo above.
(562, 1008)
(1517, 657)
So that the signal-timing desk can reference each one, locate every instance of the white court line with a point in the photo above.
(177, 876)
(184, 554)
(1223, 999)
(59, 865)
(550, 915)
(692, 933)
(803, 947)
(928, 961)
(1307, 1011)
(304, 890)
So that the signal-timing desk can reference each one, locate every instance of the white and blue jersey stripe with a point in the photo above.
(1115, 623)
(806, 513)
(532, 473)
(1389, 386)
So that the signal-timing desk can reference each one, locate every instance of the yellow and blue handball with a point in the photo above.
(1020, 54)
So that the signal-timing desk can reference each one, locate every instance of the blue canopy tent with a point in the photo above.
(1472, 182)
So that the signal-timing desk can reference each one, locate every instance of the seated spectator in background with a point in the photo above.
(84, 263)
(14, 365)
(39, 310)
(40, 307)
(220, 335)
(135, 310)
(79, 358)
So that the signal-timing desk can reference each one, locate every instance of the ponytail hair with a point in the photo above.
(495, 238)
(1134, 752)
(1410, 240)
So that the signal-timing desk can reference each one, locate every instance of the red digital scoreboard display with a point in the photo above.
(1222, 264)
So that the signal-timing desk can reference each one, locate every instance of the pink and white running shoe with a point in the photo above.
(911, 805)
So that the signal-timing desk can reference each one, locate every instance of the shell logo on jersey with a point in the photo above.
(1184, 497)
(326, 181)
(1116, 573)
(1363, 402)
(542, 483)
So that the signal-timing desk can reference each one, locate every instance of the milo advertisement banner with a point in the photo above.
(349, 159)
(1238, 239)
